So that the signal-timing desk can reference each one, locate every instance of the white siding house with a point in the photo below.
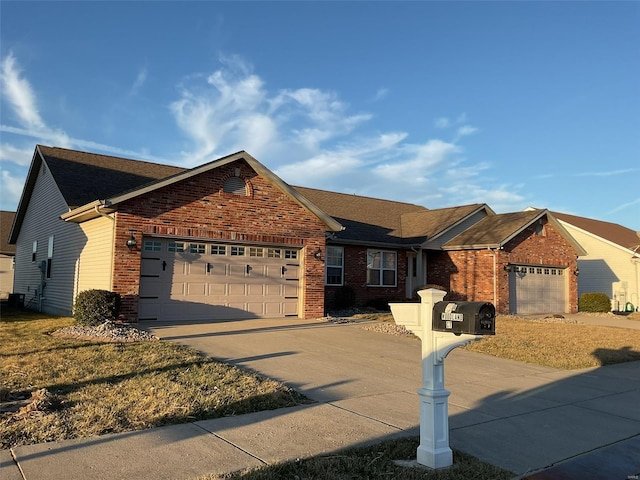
(607, 268)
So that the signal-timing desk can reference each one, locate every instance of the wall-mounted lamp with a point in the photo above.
(507, 268)
(318, 254)
(131, 242)
(576, 272)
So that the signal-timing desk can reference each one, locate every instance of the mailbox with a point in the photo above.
(475, 318)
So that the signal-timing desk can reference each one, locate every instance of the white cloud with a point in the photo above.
(18, 156)
(11, 190)
(380, 94)
(18, 92)
(139, 82)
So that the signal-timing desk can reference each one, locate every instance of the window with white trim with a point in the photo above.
(381, 268)
(334, 266)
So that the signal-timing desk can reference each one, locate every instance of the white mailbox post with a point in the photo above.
(434, 450)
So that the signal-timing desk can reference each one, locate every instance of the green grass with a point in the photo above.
(103, 388)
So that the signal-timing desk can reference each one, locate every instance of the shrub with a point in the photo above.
(345, 297)
(594, 302)
(94, 307)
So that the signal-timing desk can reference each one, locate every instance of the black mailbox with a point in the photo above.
(475, 318)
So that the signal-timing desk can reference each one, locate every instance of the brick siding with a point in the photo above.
(468, 274)
(198, 208)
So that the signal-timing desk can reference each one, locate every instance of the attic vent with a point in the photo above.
(235, 186)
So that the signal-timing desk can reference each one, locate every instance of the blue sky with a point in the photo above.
(512, 104)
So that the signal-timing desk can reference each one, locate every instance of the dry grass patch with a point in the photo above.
(99, 388)
(375, 462)
(560, 345)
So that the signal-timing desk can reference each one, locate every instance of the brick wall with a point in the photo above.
(468, 274)
(355, 279)
(198, 208)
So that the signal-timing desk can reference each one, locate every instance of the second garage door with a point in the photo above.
(537, 289)
(188, 280)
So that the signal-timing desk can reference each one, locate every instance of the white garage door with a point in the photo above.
(187, 280)
(537, 289)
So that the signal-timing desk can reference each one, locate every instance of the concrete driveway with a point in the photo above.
(518, 416)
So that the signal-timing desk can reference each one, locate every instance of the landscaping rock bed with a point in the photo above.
(106, 332)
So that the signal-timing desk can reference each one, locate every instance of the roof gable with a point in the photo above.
(433, 223)
(622, 236)
(496, 230)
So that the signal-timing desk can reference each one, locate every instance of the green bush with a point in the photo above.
(94, 307)
(594, 302)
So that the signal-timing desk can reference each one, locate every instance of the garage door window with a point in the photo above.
(152, 246)
(237, 251)
(176, 247)
(292, 254)
(256, 252)
(197, 248)
(218, 250)
(274, 253)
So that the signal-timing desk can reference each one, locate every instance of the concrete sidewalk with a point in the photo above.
(517, 416)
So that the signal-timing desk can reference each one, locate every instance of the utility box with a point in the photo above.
(475, 318)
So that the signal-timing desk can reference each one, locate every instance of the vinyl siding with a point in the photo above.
(467, 223)
(95, 265)
(6, 275)
(607, 268)
(42, 220)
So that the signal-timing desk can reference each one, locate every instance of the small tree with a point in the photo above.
(594, 302)
(94, 307)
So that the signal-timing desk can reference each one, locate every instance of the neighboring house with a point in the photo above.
(7, 255)
(229, 239)
(612, 262)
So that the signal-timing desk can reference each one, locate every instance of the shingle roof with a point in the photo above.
(83, 177)
(429, 223)
(367, 219)
(625, 237)
(6, 221)
(493, 230)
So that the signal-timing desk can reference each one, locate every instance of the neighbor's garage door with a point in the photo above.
(537, 289)
(185, 280)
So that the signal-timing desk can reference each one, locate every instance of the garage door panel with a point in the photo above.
(537, 289)
(218, 282)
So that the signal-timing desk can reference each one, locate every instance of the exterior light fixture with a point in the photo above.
(576, 272)
(318, 254)
(131, 242)
(507, 268)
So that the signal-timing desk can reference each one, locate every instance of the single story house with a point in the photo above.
(230, 239)
(612, 262)
(7, 255)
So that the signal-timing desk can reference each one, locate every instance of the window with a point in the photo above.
(176, 247)
(49, 256)
(334, 271)
(381, 268)
(235, 186)
(197, 248)
(274, 253)
(291, 254)
(152, 246)
(256, 252)
(218, 250)
(34, 251)
(237, 251)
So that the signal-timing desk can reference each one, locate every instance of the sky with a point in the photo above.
(510, 103)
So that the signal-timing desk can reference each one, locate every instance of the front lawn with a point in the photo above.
(86, 388)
